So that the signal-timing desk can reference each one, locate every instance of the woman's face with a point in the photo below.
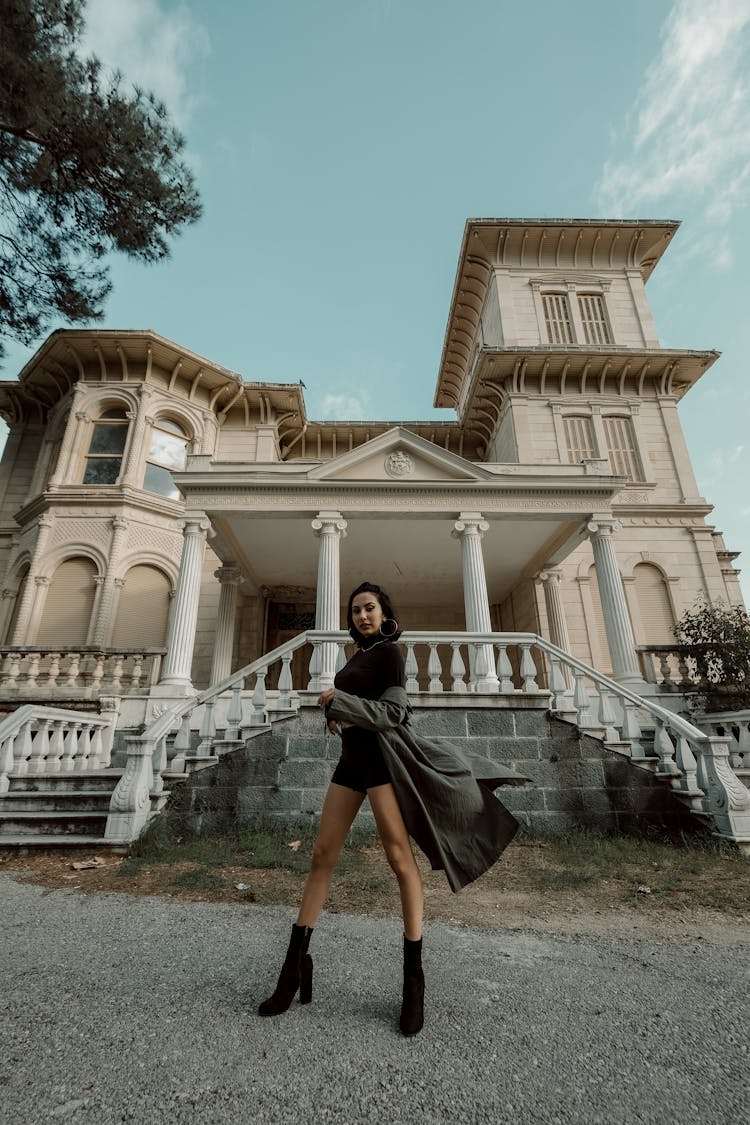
(367, 614)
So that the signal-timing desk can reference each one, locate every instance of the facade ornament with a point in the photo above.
(42, 580)
(399, 464)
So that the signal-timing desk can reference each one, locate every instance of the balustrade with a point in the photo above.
(41, 740)
(694, 764)
(85, 672)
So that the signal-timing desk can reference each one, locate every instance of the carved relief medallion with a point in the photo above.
(399, 464)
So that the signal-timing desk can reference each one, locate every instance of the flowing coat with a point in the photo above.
(445, 793)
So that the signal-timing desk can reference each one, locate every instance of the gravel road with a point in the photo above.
(123, 1009)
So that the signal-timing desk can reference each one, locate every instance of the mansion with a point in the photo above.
(564, 478)
(164, 522)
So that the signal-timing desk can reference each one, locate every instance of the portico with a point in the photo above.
(448, 538)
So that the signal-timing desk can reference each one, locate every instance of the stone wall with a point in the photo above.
(576, 780)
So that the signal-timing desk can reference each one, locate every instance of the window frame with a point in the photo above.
(573, 291)
(101, 420)
(155, 424)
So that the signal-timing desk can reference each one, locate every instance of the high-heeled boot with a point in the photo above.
(412, 1005)
(296, 973)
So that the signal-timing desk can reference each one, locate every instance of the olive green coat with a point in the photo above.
(444, 793)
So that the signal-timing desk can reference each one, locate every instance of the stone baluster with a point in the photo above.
(258, 717)
(68, 760)
(412, 669)
(53, 672)
(469, 530)
(207, 730)
(434, 669)
(7, 763)
(625, 668)
(330, 528)
(528, 671)
(458, 670)
(181, 747)
(221, 660)
(74, 665)
(504, 670)
(184, 617)
(234, 713)
(56, 746)
(40, 748)
(284, 701)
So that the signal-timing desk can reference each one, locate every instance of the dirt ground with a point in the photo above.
(529, 889)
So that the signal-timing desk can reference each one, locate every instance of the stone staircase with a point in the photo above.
(598, 755)
(577, 781)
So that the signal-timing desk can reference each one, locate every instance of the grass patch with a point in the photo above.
(198, 879)
(676, 868)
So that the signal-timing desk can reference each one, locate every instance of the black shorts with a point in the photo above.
(361, 765)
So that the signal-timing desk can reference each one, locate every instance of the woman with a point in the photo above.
(414, 787)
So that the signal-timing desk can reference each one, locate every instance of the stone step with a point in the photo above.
(54, 800)
(97, 781)
(58, 824)
(20, 844)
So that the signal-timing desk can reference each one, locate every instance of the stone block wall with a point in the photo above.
(576, 781)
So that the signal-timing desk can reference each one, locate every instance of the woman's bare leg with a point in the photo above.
(395, 840)
(340, 807)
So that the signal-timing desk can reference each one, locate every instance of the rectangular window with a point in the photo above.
(623, 454)
(557, 318)
(579, 438)
(593, 319)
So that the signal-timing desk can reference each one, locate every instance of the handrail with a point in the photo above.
(162, 725)
(29, 711)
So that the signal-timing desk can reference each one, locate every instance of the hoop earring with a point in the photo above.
(393, 631)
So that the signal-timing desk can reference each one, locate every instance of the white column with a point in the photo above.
(221, 659)
(625, 667)
(558, 626)
(74, 426)
(330, 528)
(469, 530)
(103, 627)
(556, 622)
(22, 634)
(184, 617)
(132, 474)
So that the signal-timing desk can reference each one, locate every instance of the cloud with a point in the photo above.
(688, 138)
(345, 407)
(718, 463)
(155, 48)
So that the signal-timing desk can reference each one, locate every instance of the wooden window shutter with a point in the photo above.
(654, 606)
(142, 610)
(70, 600)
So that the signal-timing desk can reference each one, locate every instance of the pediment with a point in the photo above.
(399, 456)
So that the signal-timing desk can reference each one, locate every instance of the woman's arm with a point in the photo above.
(371, 714)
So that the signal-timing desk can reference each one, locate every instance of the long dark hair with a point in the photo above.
(385, 605)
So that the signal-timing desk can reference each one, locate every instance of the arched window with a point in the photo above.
(166, 453)
(69, 602)
(654, 606)
(143, 609)
(104, 458)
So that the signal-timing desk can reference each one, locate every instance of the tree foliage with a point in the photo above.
(87, 167)
(719, 639)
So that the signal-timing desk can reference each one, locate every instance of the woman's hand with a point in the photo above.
(325, 698)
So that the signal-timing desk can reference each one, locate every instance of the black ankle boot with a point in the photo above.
(296, 973)
(412, 1006)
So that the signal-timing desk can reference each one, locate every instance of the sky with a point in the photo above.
(340, 146)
